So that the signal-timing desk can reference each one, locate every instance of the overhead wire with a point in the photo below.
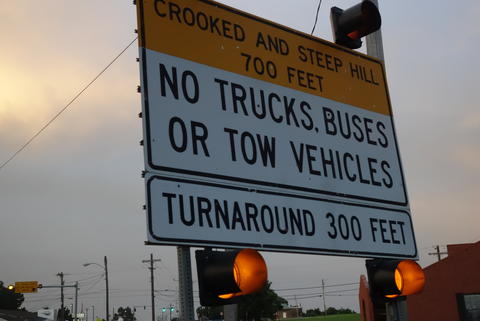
(316, 16)
(317, 287)
(65, 107)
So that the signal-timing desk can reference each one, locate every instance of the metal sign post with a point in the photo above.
(187, 312)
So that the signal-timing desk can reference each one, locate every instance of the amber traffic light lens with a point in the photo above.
(249, 271)
(409, 279)
(413, 277)
(398, 280)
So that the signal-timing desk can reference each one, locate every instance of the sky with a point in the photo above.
(75, 194)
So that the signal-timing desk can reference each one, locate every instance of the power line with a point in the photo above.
(326, 293)
(85, 280)
(65, 107)
(316, 17)
(317, 287)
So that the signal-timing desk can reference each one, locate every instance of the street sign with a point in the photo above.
(26, 287)
(244, 103)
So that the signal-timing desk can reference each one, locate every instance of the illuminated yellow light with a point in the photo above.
(226, 296)
(413, 277)
(398, 280)
(249, 272)
(409, 278)
(11, 287)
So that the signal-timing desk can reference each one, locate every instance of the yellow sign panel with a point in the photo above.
(26, 287)
(222, 37)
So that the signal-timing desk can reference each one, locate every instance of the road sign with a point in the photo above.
(236, 100)
(26, 287)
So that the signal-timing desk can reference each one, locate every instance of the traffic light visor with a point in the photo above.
(409, 278)
(249, 272)
(368, 20)
(351, 24)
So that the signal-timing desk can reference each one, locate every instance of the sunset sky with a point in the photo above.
(75, 193)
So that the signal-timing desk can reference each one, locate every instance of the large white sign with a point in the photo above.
(233, 100)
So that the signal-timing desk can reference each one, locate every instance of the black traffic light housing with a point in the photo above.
(225, 276)
(393, 280)
(351, 24)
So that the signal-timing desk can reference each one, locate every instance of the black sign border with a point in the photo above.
(266, 247)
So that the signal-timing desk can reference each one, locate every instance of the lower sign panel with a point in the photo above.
(207, 214)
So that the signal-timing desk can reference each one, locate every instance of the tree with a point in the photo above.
(263, 304)
(9, 300)
(313, 312)
(126, 314)
(210, 313)
(67, 314)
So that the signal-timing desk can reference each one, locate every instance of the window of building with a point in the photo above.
(469, 306)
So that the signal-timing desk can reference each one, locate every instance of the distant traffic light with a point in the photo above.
(172, 309)
(350, 25)
(164, 309)
(223, 277)
(11, 287)
(391, 279)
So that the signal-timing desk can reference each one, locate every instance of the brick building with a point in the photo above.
(289, 312)
(452, 288)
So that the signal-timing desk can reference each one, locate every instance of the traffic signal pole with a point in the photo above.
(61, 286)
(395, 310)
(375, 43)
(62, 283)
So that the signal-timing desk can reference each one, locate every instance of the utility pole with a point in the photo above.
(106, 284)
(76, 301)
(323, 296)
(438, 253)
(151, 268)
(105, 268)
(62, 298)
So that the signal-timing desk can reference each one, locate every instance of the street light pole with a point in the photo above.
(105, 268)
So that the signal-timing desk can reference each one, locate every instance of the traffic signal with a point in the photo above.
(164, 309)
(223, 277)
(172, 309)
(394, 279)
(11, 287)
(350, 25)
